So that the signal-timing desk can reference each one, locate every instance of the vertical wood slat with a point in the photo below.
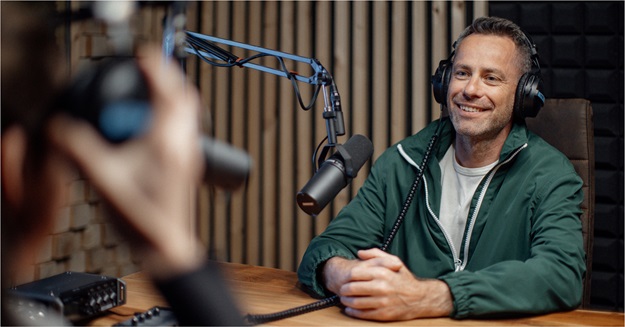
(323, 52)
(205, 85)
(286, 132)
(439, 41)
(253, 204)
(380, 78)
(480, 8)
(304, 132)
(361, 80)
(237, 113)
(368, 48)
(222, 103)
(420, 75)
(458, 21)
(341, 67)
(398, 108)
(270, 140)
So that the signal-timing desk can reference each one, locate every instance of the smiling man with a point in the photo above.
(494, 228)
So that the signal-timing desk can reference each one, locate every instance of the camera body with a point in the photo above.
(111, 95)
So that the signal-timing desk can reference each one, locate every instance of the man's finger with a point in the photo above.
(84, 145)
(381, 258)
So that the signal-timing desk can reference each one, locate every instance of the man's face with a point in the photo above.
(483, 82)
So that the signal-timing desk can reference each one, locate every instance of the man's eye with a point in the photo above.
(461, 74)
(492, 79)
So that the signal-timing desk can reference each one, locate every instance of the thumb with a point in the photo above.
(382, 258)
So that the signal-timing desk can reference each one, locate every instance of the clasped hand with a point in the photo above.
(378, 286)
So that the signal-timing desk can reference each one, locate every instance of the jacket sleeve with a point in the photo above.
(359, 225)
(549, 280)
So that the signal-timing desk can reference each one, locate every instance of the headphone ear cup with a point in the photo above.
(519, 98)
(528, 98)
(440, 81)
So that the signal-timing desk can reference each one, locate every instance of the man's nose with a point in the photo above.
(473, 87)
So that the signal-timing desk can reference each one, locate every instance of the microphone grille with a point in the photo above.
(360, 148)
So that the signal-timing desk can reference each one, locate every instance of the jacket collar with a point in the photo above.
(516, 139)
(413, 145)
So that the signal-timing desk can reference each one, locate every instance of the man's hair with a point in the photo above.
(501, 27)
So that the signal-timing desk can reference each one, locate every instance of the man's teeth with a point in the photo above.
(469, 109)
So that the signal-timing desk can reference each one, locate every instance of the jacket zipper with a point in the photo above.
(457, 261)
(491, 174)
(460, 264)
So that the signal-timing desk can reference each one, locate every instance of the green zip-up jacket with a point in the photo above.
(522, 250)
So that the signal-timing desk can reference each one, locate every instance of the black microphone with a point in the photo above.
(113, 97)
(334, 174)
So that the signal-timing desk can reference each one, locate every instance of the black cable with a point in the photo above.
(214, 50)
(296, 87)
(314, 157)
(264, 318)
(214, 63)
(411, 193)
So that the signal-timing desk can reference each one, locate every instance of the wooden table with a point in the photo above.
(262, 290)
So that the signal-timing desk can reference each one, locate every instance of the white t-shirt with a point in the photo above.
(459, 185)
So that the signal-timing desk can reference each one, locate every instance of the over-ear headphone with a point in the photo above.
(528, 98)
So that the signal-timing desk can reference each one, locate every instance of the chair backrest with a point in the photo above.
(567, 125)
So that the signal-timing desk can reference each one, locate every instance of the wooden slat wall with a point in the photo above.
(381, 55)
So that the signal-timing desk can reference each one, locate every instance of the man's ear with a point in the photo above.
(13, 151)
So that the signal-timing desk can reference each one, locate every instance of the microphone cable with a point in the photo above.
(254, 319)
(413, 189)
(314, 156)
